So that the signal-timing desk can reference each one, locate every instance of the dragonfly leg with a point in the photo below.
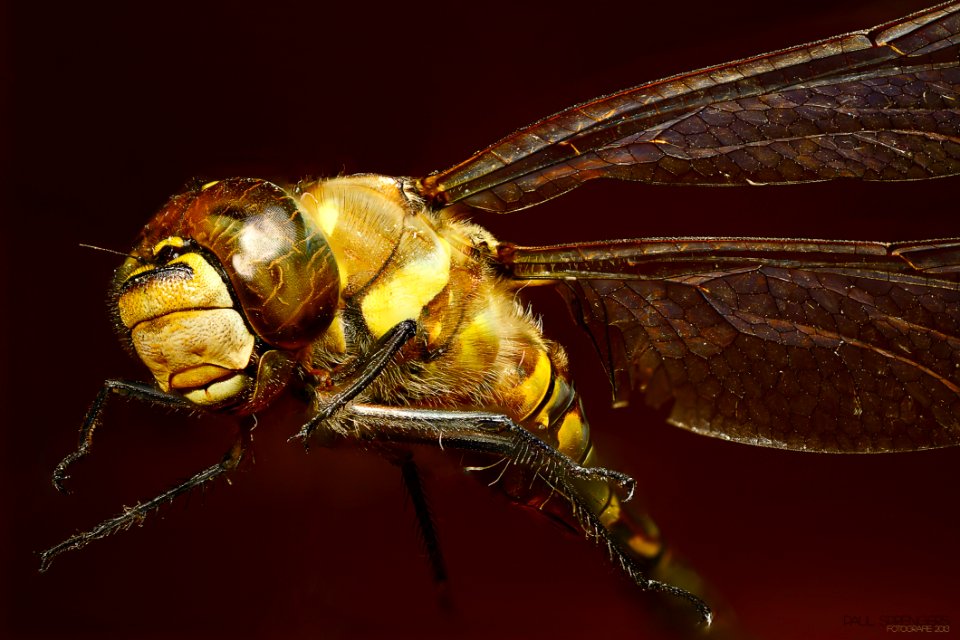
(137, 514)
(413, 483)
(477, 431)
(497, 434)
(143, 392)
(362, 375)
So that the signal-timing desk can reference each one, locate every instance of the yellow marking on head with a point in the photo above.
(402, 294)
(193, 340)
(172, 241)
(205, 289)
(140, 269)
(573, 435)
(535, 387)
(198, 376)
(218, 391)
(209, 184)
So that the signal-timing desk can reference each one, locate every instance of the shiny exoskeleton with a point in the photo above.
(400, 323)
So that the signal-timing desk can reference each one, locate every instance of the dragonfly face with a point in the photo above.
(225, 282)
(598, 155)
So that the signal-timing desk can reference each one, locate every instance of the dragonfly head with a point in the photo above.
(227, 283)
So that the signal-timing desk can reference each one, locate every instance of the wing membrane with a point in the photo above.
(797, 344)
(879, 104)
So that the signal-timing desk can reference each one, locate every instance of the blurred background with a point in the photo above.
(112, 109)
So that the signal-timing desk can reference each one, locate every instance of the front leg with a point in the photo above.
(144, 392)
(136, 514)
(362, 375)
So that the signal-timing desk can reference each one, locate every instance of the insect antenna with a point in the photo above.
(113, 251)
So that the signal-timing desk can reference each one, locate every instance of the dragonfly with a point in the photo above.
(372, 296)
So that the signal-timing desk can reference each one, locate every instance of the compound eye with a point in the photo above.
(284, 274)
(278, 261)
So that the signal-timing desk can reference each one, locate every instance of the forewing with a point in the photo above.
(880, 104)
(798, 344)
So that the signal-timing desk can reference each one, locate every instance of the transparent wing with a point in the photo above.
(797, 344)
(879, 104)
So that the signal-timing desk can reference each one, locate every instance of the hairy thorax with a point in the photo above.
(476, 348)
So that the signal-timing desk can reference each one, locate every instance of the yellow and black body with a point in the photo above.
(401, 323)
(239, 287)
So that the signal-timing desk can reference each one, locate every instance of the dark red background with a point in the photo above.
(114, 109)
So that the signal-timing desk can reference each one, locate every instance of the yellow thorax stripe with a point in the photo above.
(402, 294)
